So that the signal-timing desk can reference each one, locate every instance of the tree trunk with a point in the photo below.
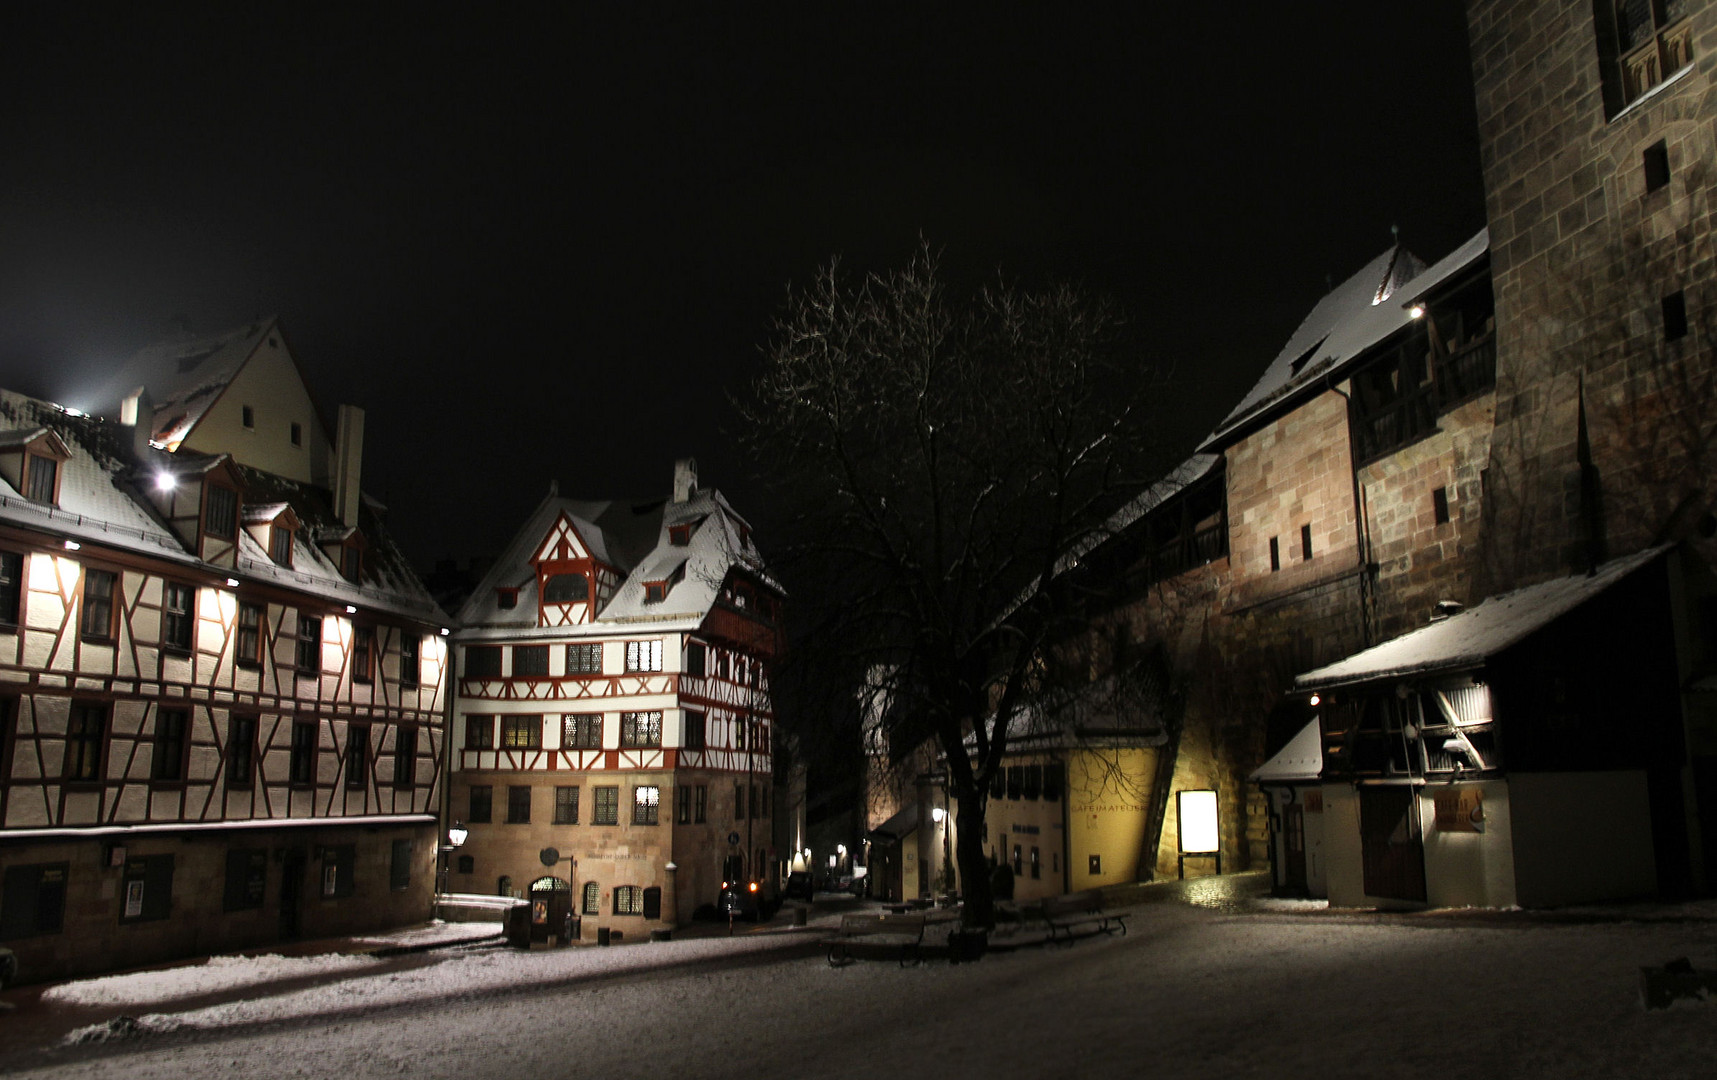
(979, 912)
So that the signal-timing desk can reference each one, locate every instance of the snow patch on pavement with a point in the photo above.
(217, 974)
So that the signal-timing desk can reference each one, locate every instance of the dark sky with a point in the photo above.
(545, 242)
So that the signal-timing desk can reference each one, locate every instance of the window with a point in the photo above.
(178, 616)
(738, 801)
(1440, 506)
(607, 807)
(1094, 865)
(1655, 161)
(640, 729)
(1033, 782)
(148, 888)
(481, 808)
(530, 661)
(249, 635)
(592, 898)
(363, 654)
(519, 804)
(655, 592)
(280, 545)
(1017, 861)
(566, 806)
(700, 804)
(679, 535)
(86, 739)
(584, 659)
(566, 589)
(11, 588)
(339, 865)
(44, 478)
(682, 805)
(32, 900)
(693, 737)
(628, 900)
(357, 756)
(301, 763)
(479, 733)
(352, 563)
(1054, 776)
(644, 655)
(399, 866)
(1305, 541)
(247, 417)
(297, 433)
(581, 731)
(408, 665)
(646, 802)
(167, 757)
(1275, 554)
(247, 879)
(1675, 316)
(309, 655)
(241, 751)
(506, 599)
(999, 784)
(405, 756)
(467, 864)
(1036, 865)
(521, 732)
(1640, 44)
(98, 589)
(1016, 782)
(220, 515)
(695, 659)
(755, 813)
(483, 661)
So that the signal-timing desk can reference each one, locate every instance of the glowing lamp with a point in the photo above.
(752, 886)
(1315, 700)
(73, 545)
(937, 814)
(445, 631)
(457, 834)
(840, 849)
(350, 610)
(232, 583)
(1198, 831)
(1417, 311)
(165, 481)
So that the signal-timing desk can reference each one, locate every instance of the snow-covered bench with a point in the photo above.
(883, 935)
(1065, 914)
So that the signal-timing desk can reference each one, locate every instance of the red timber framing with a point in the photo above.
(571, 582)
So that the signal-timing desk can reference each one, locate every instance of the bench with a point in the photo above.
(902, 935)
(1064, 914)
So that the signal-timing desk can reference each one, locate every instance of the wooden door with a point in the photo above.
(1391, 845)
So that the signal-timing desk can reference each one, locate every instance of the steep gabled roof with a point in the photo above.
(1356, 315)
(184, 377)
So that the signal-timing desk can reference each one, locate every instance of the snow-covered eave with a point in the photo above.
(158, 827)
(602, 628)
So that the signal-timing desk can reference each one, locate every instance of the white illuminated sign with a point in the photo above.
(1197, 812)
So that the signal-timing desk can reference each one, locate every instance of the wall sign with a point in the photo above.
(1459, 810)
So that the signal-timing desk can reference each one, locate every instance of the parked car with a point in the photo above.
(8, 967)
(799, 886)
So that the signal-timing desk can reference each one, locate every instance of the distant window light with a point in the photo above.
(297, 433)
(1440, 506)
(1675, 316)
(1305, 541)
(1275, 554)
(1656, 166)
(644, 655)
(247, 417)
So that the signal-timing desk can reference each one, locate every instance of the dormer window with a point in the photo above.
(680, 535)
(220, 512)
(506, 599)
(655, 592)
(41, 479)
(565, 589)
(280, 545)
(352, 563)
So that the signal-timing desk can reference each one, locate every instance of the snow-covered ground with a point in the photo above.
(1281, 993)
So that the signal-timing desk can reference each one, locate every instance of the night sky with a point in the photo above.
(547, 242)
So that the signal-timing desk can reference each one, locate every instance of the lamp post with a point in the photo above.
(456, 836)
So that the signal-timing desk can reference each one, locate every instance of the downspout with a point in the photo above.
(446, 816)
(1361, 527)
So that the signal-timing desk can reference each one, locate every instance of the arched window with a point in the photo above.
(592, 898)
(628, 900)
(566, 589)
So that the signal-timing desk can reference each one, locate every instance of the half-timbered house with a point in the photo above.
(219, 727)
(613, 723)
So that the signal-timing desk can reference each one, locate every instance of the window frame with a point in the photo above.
(605, 804)
(214, 493)
(586, 728)
(479, 804)
(238, 770)
(485, 670)
(588, 658)
(646, 804)
(307, 648)
(628, 900)
(91, 760)
(518, 804)
(479, 722)
(178, 628)
(592, 899)
(108, 634)
(11, 589)
(644, 656)
(363, 654)
(641, 730)
(280, 545)
(410, 661)
(169, 754)
(694, 729)
(405, 756)
(251, 658)
(302, 754)
(357, 757)
(536, 657)
(565, 804)
(521, 731)
(34, 464)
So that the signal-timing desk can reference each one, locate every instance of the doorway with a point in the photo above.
(1391, 845)
(551, 903)
(291, 890)
(1294, 842)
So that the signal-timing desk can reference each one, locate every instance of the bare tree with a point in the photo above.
(943, 457)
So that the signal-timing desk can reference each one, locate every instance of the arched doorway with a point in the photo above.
(551, 903)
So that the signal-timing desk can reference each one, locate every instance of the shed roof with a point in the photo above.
(1301, 759)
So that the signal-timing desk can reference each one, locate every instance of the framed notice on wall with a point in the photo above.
(134, 898)
(1459, 810)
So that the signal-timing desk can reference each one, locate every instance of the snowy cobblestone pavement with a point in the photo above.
(1190, 988)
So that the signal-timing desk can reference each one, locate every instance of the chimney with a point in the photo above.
(348, 462)
(137, 413)
(685, 479)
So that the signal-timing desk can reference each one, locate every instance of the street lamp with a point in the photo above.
(455, 840)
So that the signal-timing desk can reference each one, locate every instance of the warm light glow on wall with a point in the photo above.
(1197, 813)
(218, 605)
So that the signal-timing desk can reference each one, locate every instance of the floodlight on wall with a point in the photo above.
(937, 814)
(1417, 311)
(350, 610)
(232, 583)
(73, 545)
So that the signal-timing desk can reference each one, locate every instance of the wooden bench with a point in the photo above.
(901, 935)
(1065, 914)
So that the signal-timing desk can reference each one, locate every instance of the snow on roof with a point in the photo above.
(184, 376)
(1301, 759)
(899, 826)
(1468, 639)
(632, 536)
(100, 503)
(1357, 314)
(20, 436)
